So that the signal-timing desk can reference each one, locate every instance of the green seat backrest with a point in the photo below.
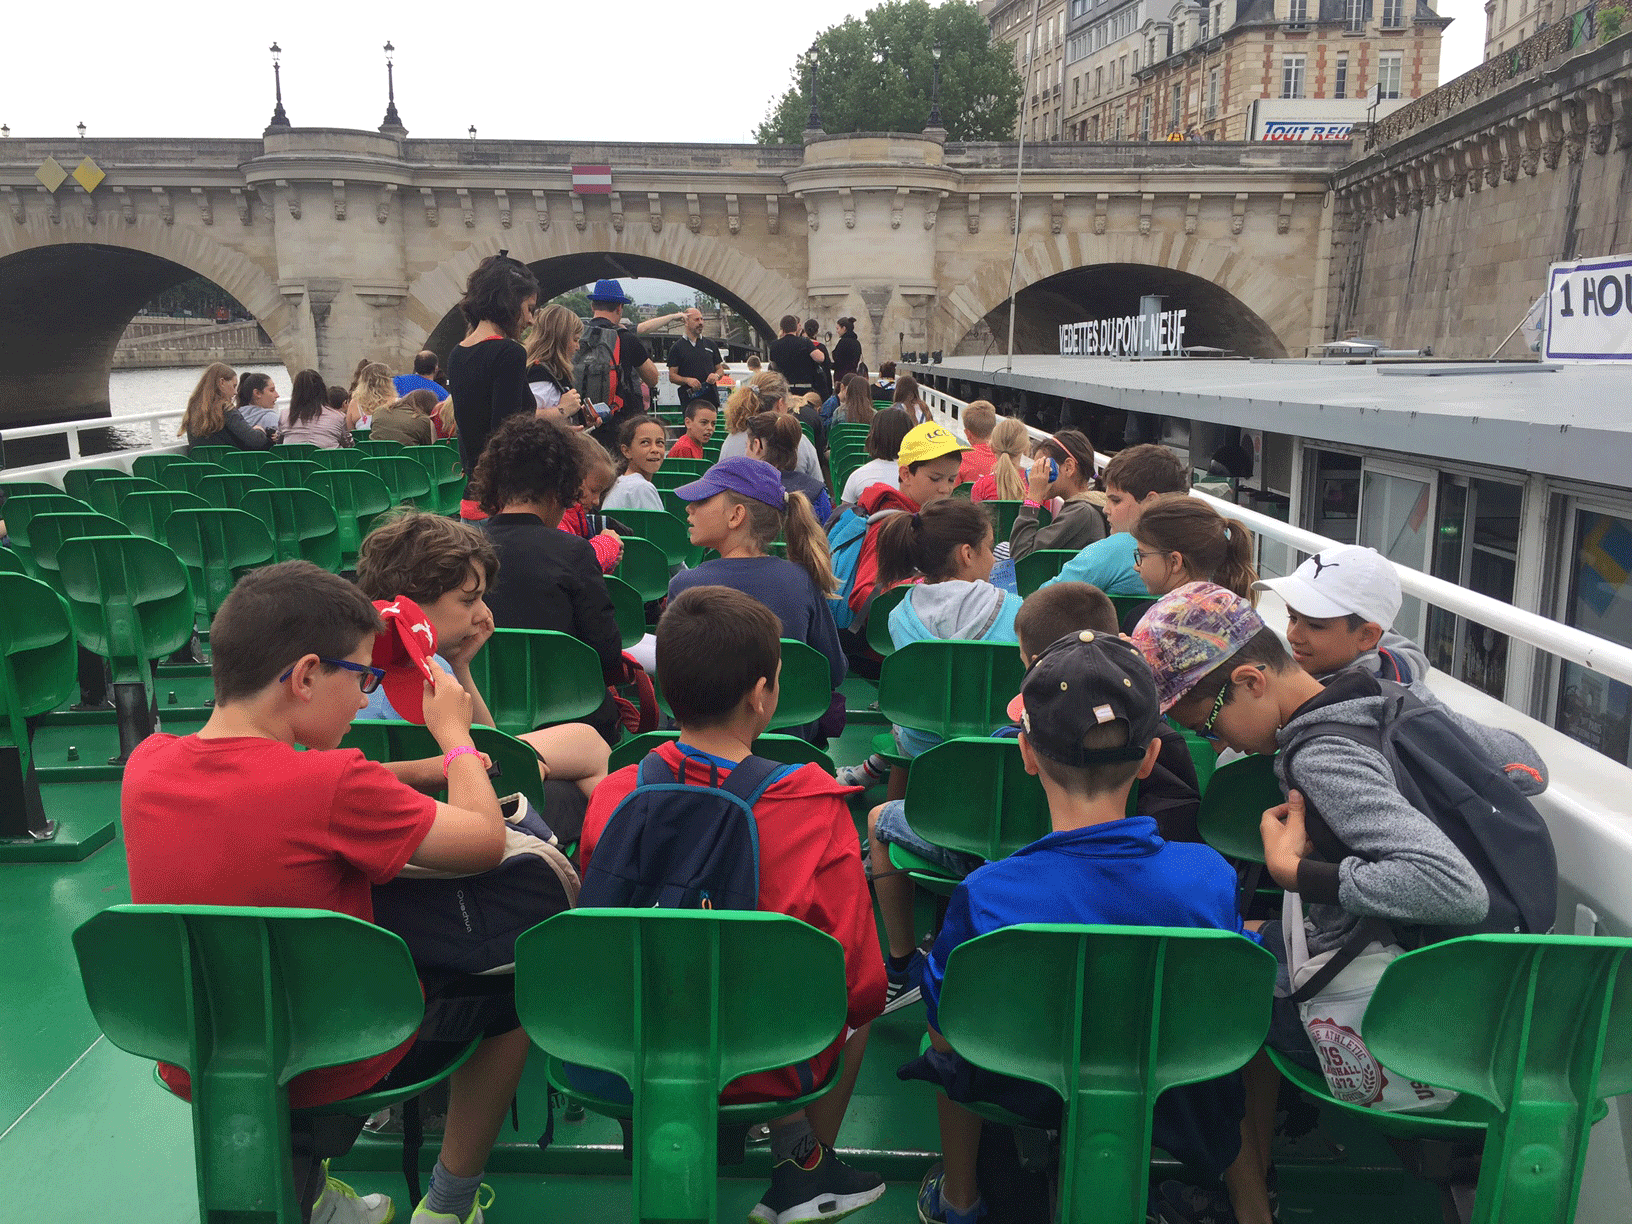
(789, 749)
(645, 567)
(950, 688)
(31, 488)
(302, 524)
(48, 532)
(673, 503)
(1191, 1005)
(676, 1002)
(975, 796)
(11, 562)
(38, 662)
(515, 762)
(290, 473)
(20, 511)
(1202, 755)
(77, 482)
(405, 477)
(358, 498)
(805, 687)
(152, 466)
(1124, 604)
(218, 547)
(209, 454)
(186, 476)
(338, 457)
(359, 436)
(129, 599)
(1036, 568)
(244, 1000)
(1233, 804)
(383, 447)
(447, 477)
(536, 677)
(661, 528)
(226, 491)
(1539, 1026)
(294, 450)
(1003, 514)
(245, 460)
(878, 619)
(108, 496)
(147, 513)
(629, 608)
(680, 471)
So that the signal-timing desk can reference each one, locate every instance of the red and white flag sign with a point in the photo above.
(592, 180)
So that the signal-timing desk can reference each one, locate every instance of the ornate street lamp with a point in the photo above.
(473, 133)
(82, 131)
(935, 90)
(813, 121)
(392, 119)
(280, 117)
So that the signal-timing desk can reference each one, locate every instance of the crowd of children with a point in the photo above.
(297, 654)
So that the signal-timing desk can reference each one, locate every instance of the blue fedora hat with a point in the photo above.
(610, 291)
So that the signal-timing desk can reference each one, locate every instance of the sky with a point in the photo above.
(519, 72)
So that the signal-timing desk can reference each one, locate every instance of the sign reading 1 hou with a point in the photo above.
(1154, 334)
(1589, 310)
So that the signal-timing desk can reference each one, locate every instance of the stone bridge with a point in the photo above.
(345, 243)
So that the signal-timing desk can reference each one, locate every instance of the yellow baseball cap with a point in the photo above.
(928, 441)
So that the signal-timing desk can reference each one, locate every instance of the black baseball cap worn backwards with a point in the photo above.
(1083, 681)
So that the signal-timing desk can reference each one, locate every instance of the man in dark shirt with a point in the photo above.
(791, 356)
(695, 364)
(635, 364)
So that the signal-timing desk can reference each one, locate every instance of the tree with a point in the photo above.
(875, 74)
(576, 301)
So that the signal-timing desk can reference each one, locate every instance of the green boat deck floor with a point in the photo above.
(86, 1135)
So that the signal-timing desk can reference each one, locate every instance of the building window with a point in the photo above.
(1099, 80)
(1178, 109)
(1119, 127)
(1144, 118)
(1212, 93)
(1340, 88)
(1292, 76)
(1355, 21)
(1389, 67)
(1297, 11)
(1393, 13)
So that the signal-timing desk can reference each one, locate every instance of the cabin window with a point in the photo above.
(1476, 547)
(1592, 708)
(1397, 519)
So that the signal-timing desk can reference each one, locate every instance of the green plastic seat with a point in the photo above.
(358, 497)
(48, 532)
(878, 619)
(805, 687)
(370, 447)
(294, 450)
(30, 488)
(1134, 604)
(289, 473)
(38, 673)
(673, 503)
(950, 689)
(245, 460)
(445, 474)
(359, 436)
(405, 477)
(789, 749)
(644, 567)
(107, 496)
(1233, 805)
(21, 510)
(514, 761)
(218, 547)
(131, 603)
(661, 528)
(1003, 514)
(1535, 1028)
(302, 524)
(77, 482)
(536, 678)
(147, 513)
(244, 1000)
(629, 608)
(975, 796)
(1202, 755)
(1193, 1005)
(1036, 568)
(226, 491)
(679, 471)
(210, 454)
(185, 477)
(676, 1003)
(152, 466)
(338, 457)
(11, 562)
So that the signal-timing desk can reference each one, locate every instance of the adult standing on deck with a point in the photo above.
(695, 364)
(607, 341)
(423, 378)
(846, 352)
(791, 357)
(487, 370)
(258, 401)
(822, 383)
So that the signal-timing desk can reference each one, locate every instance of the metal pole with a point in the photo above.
(1019, 170)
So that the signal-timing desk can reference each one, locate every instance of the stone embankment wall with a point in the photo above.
(156, 343)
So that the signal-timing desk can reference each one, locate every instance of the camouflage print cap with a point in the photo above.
(1190, 631)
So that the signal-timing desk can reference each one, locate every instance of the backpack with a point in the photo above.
(845, 536)
(673, 845)
(1447, 777)
(596, 371)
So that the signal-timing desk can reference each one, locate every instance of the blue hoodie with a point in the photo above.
(950, 611)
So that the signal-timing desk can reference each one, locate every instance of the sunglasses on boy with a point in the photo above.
(368, 678)
(1206, 728)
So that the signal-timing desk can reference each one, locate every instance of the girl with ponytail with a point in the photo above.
(1062, 466)
(739, 508)
(1011, 441)
(766, 391)
(1182, 539)
(774, 437)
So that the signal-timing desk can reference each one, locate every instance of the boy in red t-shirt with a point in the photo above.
(290, 661)
(979, 419)
(719, 655)
(700, 418)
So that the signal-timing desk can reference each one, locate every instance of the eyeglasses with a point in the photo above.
(1206, 731)
(1139, 555)
(368, 678)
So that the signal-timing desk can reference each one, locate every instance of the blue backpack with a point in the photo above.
(844, 540)
(673, 845)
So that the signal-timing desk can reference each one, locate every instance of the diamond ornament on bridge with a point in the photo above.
(51, 174)
(89, 175)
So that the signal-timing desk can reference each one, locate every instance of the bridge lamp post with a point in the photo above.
(280, 117)
(813, 121)
(392, 119)
(473, 133)
(935, 88)
(82, 131)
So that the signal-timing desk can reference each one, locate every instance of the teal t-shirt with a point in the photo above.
(1108, 564)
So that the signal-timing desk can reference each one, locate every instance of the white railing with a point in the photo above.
(161, 429)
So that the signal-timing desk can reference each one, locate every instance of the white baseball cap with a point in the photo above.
(1340, 581)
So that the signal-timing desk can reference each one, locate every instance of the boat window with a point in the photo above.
(1396, 518)
(1592, 708)
(1476, 547)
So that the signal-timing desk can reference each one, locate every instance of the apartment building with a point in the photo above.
(1510, 22)
(1041, 61)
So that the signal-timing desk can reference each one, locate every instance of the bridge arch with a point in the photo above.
(1235, 302)
(71, 288)
(563, 258)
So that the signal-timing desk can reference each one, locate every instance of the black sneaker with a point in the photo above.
(828, 1191)
(1179, 1203)
(906, 988)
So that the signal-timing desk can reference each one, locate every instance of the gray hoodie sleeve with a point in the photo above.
(1401, 866)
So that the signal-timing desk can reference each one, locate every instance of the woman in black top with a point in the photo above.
(487, 370)
(847, 352)
(212, 419)
(529, 473)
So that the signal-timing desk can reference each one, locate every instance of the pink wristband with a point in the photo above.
(462, 750)
(1034, 505)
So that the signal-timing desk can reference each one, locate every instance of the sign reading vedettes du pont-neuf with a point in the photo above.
(1158, 334)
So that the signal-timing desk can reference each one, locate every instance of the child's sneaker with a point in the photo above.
(826, 1190)
(906, 988)
(424, 1215)
(931, 1210)
(1178, 1202)
(870, 773)
(340, 1204)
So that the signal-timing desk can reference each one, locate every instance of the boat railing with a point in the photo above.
(160, 427)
